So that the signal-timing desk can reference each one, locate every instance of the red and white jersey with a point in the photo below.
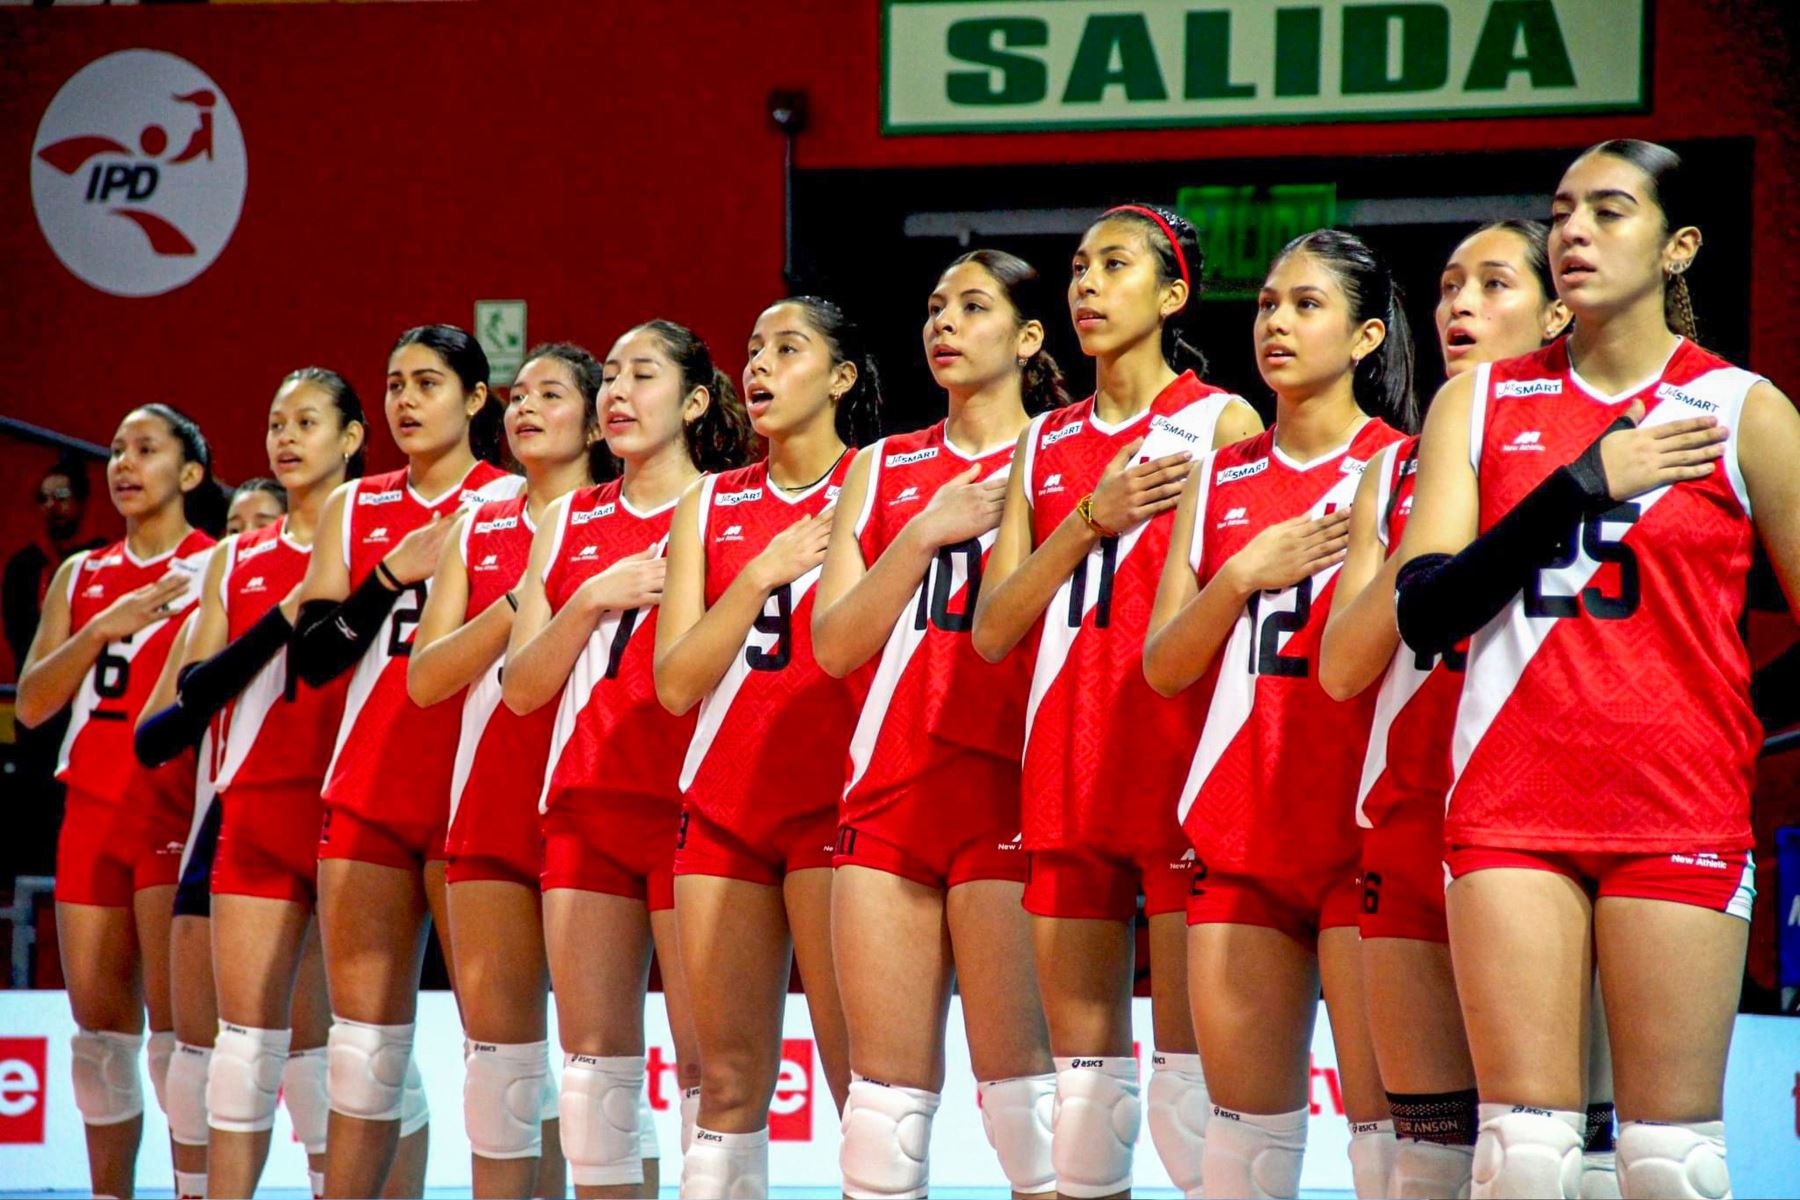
(278, 730)
(96, 756)
(931, 698)
(1273, 781)
(388, 751)
(497, 751)
(1607, 707)
(1103, 752)
(1415, 709)
(771, 737)
(611, 733)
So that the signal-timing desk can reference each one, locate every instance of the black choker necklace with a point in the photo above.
(815, 483)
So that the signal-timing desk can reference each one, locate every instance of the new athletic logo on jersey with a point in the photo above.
(1234, 516)
(1528, 439)
(1052, 483)
(907, 496)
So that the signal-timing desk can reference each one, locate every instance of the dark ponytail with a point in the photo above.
(203, 506)
(349, 409)
(859, 409)
(262, 483)
(588, 376)
(1672, 191)
(465, 357)
(1383, 383)
(1041, 382)
(1179, 339)
(719, 438)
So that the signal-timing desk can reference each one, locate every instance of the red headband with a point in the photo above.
(1174, 242)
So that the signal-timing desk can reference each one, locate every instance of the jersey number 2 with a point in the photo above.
(407, 610)
(1589, 540)
(1266, 629)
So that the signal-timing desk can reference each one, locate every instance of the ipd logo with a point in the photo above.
(791, 1109)
(138, 172)
(22, 1064)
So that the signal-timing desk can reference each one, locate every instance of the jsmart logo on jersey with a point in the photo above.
(388, 497)
(138, 172)
(1507, 388)
(1162, 423)
(1675, 395)
(727, 499)
(496, 525)
(732, 533)
(900, 460)
(1067, 431)
(1409, 467)
(1241, 472)
(22, 1070)
(831, 493)
(1234, 516)
(906, 495)
(593, 514)
(1353, 466)
(791, 1109)
(1527, 440)
(250, 552)
(95, 564)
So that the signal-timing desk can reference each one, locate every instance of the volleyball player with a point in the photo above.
(496, 929)
(1587, 513)
(930, 872)
(387, 785)
(1080, 543)
(109, 618)
(1252, 566)
(765, 770)
(585, 631)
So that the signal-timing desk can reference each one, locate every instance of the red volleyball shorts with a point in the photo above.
(800, 844)
(1299, 905)
(619, 845)
(1096, 885)
(1403, 873)
(955, 825)
(111, 848)
(269, 842)
(1723, 883)
(345, 832)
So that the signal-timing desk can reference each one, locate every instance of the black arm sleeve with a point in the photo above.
(209, 685)
(1441, 599)
(329, 638)
(163, 736)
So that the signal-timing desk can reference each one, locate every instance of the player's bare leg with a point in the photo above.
(599, 954)
(496, 929)
(257, 945)
(1359, 1072)
(1409, 992)
(372, 922)
(194, 1013)
(101, 967)
(678, 1000)
(1084, 969)
(807, 895)
(311, 1022)
(892, 948)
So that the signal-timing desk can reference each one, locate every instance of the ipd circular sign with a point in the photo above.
(138, 172)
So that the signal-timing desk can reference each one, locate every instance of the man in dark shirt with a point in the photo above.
(62, 497)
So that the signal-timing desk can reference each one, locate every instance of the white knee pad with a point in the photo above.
(690, 1116)
(726, 1166)
(600, 1118)
(415, 1110)
(1673, 1160)
(1371, 1158)
(1599, 1175)
(244, 1084)
(104, 1066)
(366, 1068)
(303, 1090)
(648, 1145)
(1523, 1151)
(1177, 1108)
(161, 1050)
(549, 1100)
(1255, 1156)
(1430, 1171)
(184, 1093)
(503, 1097)
(1016, 1115)
(1094, 1126)
(886, 1148)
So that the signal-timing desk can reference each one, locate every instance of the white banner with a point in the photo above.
(971, 65)
(41, 1144)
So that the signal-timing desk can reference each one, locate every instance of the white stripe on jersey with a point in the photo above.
(1398, 686)
(1478, 404)
(1502, 649)
(584, 677)
(1383, 467)
(1033, 432)
(249, 713)
(368, 671)
(478, 708)
(872, 483)
(206, 794)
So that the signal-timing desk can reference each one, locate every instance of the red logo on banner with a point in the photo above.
(22, 1089)
(790, 1112)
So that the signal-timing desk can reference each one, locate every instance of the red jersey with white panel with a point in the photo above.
(97, 756)
(278, 731)
(1607, 707)
(611, 734)
(1274, 778)
(1409, 741)
(389, 759)
(932, 698)
(499, 755)
(771, 737)
(1103, 752)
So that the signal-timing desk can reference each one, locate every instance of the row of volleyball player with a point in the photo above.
(935, 710)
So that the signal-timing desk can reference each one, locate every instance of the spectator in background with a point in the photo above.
(62, 498)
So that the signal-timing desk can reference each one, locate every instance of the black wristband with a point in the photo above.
(387, 573)
(513, 600)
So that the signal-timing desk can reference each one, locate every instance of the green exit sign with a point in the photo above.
(1241, 228)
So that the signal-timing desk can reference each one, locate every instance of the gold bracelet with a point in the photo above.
(1084, 508)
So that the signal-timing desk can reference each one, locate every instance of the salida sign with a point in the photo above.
(972, 65)
(138, 172)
